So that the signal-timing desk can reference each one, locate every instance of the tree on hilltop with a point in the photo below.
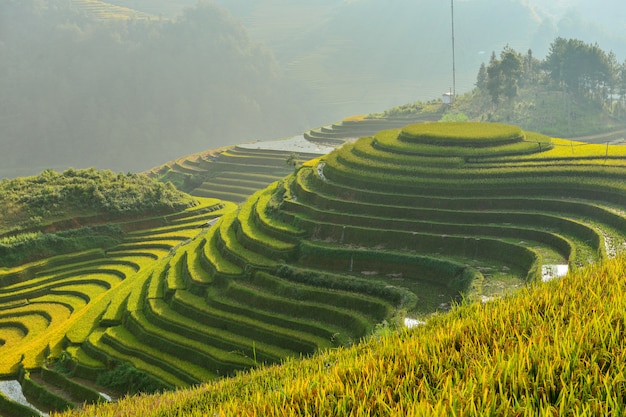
(504, 74)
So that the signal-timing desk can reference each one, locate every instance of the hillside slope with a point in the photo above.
(556, 348)
(398, 225)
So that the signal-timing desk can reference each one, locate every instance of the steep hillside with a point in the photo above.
(390, 228)
(555, 349)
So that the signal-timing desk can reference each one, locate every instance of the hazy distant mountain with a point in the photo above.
(130, 95)
(364, 55)
(367, 55)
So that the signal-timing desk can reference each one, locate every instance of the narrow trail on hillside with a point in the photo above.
(611, 137)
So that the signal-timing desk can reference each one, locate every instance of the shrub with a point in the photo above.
(126, 378)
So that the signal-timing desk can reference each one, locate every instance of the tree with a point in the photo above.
(481, 79)
(503, 75)
(512, 70)
(582, 68)
(622, 83)
(494, 80)
(292, 160)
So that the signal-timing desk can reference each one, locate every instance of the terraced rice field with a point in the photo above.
(235, 173)
(50, 307)
(403, 223)
(498, 203)
(102, 10)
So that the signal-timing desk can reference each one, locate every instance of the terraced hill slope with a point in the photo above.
(49, 308)
(468, 202)
(236, 172)
(102, 10)
(398, 224)
(528, 354)
(385, 223)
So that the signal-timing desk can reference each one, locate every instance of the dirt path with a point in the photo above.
(612, 136)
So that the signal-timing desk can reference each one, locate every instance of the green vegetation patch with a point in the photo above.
(462, 134)
(389, 141)
(26, 247)
(37, 201)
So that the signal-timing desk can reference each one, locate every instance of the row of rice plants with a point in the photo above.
(102, 10)
(234, 250)
(255, 237)
(567, 179)
(388, 141)
(246, 177)
(43, 323)
(396, 296)
(461, 134)
(9, 276)
(49, 276)
(209, 361)
(246, 321)
(118, 344)
(258, 158)
(213, 260)
(352, 321)
(190, 165)
(448, 222)
(193, 269)
(211, 189)
(39, 392)
(569, 151)
(363, 149)
(239, 346)
(358, 126)
(405, 173)
(251, 182)
(206, 209)
(314, 332)
(269, 224)
(453, 197)
(375, 308)
(174, 279)
(75, 390)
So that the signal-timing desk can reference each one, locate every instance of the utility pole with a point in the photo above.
(453, 55)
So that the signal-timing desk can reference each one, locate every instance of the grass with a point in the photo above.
(462, 134)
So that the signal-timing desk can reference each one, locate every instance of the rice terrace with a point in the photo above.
(403, 224)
